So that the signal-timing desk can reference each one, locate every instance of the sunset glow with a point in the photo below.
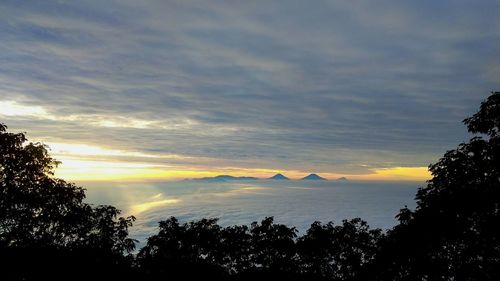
(238, 89)
(80, 170)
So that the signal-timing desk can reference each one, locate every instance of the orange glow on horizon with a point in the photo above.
(82, 162)
(94, 170)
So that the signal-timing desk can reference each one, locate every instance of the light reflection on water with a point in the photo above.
(295, 203)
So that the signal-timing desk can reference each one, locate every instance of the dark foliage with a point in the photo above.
(48, 232)
(337, 252)
(454, 232)
(267, 249)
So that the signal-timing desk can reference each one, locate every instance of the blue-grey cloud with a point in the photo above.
(294, 203)
(284, 84)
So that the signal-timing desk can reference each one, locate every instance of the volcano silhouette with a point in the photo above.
(278, 176)
(313, 177)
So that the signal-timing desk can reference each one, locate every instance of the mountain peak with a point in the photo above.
(313, 177)
(278, 176)
(342, 179)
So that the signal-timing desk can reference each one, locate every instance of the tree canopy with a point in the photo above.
(43, 218)
(453, 233)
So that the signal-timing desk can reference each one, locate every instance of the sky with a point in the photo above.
(165, 90)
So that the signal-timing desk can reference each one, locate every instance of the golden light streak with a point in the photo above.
(139, 208)
(75, 169)
(89, 170)
(400, 173)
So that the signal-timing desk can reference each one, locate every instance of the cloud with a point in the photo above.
(294, 203)
(335, 87)
(12, 108)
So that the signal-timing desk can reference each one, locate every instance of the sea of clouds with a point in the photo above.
(295, 203)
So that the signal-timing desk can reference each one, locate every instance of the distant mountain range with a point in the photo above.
(223, 178)
(278, 176)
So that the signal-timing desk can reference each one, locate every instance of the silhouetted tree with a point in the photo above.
(273, 246)
(265, 250)
(454, 233)
(179, 248)
(45, 226)
(236, 249)
(183, 251)
(337, 252)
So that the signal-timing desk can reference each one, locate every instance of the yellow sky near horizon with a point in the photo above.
(80, 162)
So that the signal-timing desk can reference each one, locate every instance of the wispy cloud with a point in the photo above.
(338, 87)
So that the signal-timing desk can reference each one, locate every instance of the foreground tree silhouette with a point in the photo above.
(46, 230)
(262, 251)
(337, 252)
(454, 232)
(186, 251)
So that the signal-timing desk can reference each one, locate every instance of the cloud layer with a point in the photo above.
(294, 203)
(290, 85)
